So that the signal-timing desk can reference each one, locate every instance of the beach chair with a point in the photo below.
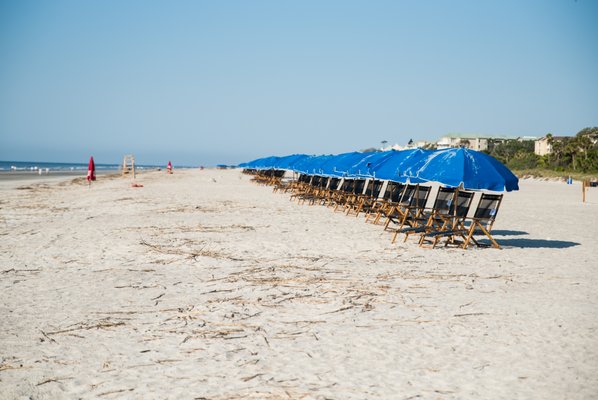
(410, 206)
(279, 182)
(301, 186)
(450, 209)
(259, 177)
(334, 190)
(480, 224)
(321, 194)
(330, 191)
(367, 200)
(268, 177)
(445, 198)
(457, 212)
(345, 189)
(306, 188)
(352, 198)
(392, 194)
(296, 183)
(317, 186)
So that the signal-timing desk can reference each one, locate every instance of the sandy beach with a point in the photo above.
(51, 176)
(204, 285)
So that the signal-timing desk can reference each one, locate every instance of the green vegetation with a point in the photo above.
(575, 156)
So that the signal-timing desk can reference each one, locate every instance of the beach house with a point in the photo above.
(543, 146)
(475, 141)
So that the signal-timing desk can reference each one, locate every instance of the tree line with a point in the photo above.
(577, 153)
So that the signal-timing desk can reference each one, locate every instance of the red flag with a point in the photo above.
(91, 170)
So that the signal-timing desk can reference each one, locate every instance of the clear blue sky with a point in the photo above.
(201, 82)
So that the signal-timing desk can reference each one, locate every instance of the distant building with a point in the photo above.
(524, 138)
(419, 144)
(410, 145)
(543, 147)
(468, 140)
(473, 142)
(476, 142)
(389, 147)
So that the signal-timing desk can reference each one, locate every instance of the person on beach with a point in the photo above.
(169, 167)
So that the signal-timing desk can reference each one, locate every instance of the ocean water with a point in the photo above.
(53, 166)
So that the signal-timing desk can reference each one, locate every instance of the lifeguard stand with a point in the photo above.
(129, 165)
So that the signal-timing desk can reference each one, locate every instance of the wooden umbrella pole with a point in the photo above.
(583, 191)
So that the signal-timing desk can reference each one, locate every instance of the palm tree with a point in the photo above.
(557, 148)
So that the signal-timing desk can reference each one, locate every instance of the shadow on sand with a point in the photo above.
(535, 243)
(504, 232)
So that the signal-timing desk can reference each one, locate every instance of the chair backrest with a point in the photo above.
(358, 186)
(333, 183)
(303, 178)
(398, 192)
(419, 196)
(462, 204)
(407, 195)
(370, 188)
(374, 188)
(317, 180)
(488, 207)
(390, 188)
(323, 182)
(444, 199)
(348, 185)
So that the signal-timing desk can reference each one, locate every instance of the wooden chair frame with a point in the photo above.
(482, 222)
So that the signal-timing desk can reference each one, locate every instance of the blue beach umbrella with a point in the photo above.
(461, 167)
(393, 167)
(245, 164)
(300, 165)
(310, 165)
(260, 163)
(339, 164)
(363, 169)
(287, 162)
(249, 164)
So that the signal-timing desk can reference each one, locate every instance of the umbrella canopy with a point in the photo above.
(260, 163)
(248, 164)
(91, 170)
(466, 168)
(339, 164)
(394, 166)
(363, 168)
(287, 162)
(311, 165)
(267, 163)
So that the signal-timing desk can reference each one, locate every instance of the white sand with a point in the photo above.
(204, 285)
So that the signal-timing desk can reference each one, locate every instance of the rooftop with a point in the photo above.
(461, 135)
